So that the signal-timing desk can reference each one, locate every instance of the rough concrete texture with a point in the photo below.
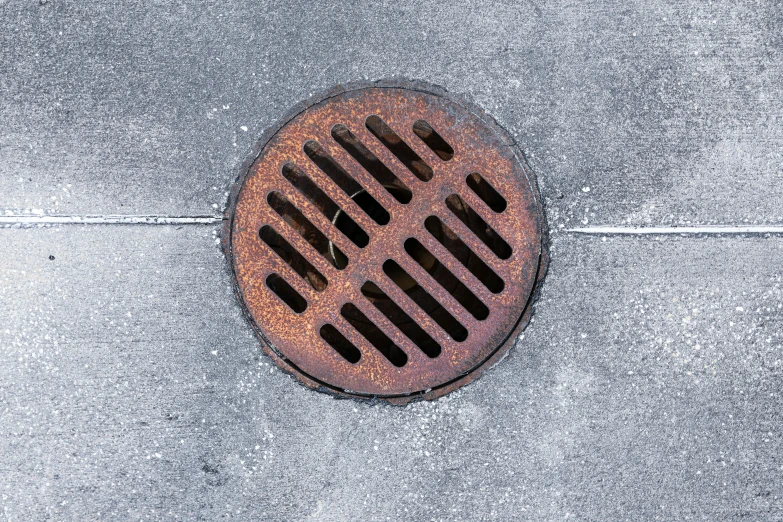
(668, 112)
(132, 388)
(649, 385)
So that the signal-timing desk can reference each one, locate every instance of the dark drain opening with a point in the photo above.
(373, 334)
(343, 346)
(464, 254)
(306, 229)
(399, 148)
(294, 259)
(342, 179)
(446, 279)
(478, 226)
(400, 319)
(371, 164)
(286, 292)
(487, 192)
(324, 203)
(433, 140)
(425, 301)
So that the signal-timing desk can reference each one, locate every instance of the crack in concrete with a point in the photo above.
(689, 230)
(54, 219)
(43, 220)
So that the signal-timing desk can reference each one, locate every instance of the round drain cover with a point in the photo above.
(386, 242)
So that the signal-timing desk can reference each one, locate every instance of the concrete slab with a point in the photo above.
(648, 387)
(666, 113)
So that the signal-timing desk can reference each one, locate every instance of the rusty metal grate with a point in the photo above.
(386, 242)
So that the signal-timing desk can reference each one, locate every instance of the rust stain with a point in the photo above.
(339, 189)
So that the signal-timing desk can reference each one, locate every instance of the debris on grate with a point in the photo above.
(387, 242)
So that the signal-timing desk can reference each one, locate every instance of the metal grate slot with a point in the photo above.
(371, 164)
(372, 333)
(433, 140)
(486, 192)
(399, 148)
(446, 279)
(294, 259)
(286, 293)
(478, 226)
(343, 346)
(324, 203)
(425, 301)
(464, 254)
(307, 230)
(400, 319)
(349, 185)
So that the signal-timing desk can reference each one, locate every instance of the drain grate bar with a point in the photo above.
(432, 138)
(371, 164)
(399, 147)
(469, 267)
(413, 310)
(368, 183)
(493, 219)
(437, 292)
(443, 276)
(337, 245)
(400, 319)
(423, 297)
(415, 357)
(478, 225)
(385, 156)
(318, 198)
(466, 235)
(374, 335)
(293, 258)
(304, 229)
(348, 183)
(343, 200)
(409, 135)
(369, 356)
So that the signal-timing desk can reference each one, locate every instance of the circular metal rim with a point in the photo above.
(525, 315)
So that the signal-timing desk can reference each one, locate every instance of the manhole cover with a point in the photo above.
(386, 242)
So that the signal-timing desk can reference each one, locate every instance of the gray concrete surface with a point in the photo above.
(649, 385)
(132, 389)
(669, 112)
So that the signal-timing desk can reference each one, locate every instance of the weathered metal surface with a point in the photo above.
(426, 315)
